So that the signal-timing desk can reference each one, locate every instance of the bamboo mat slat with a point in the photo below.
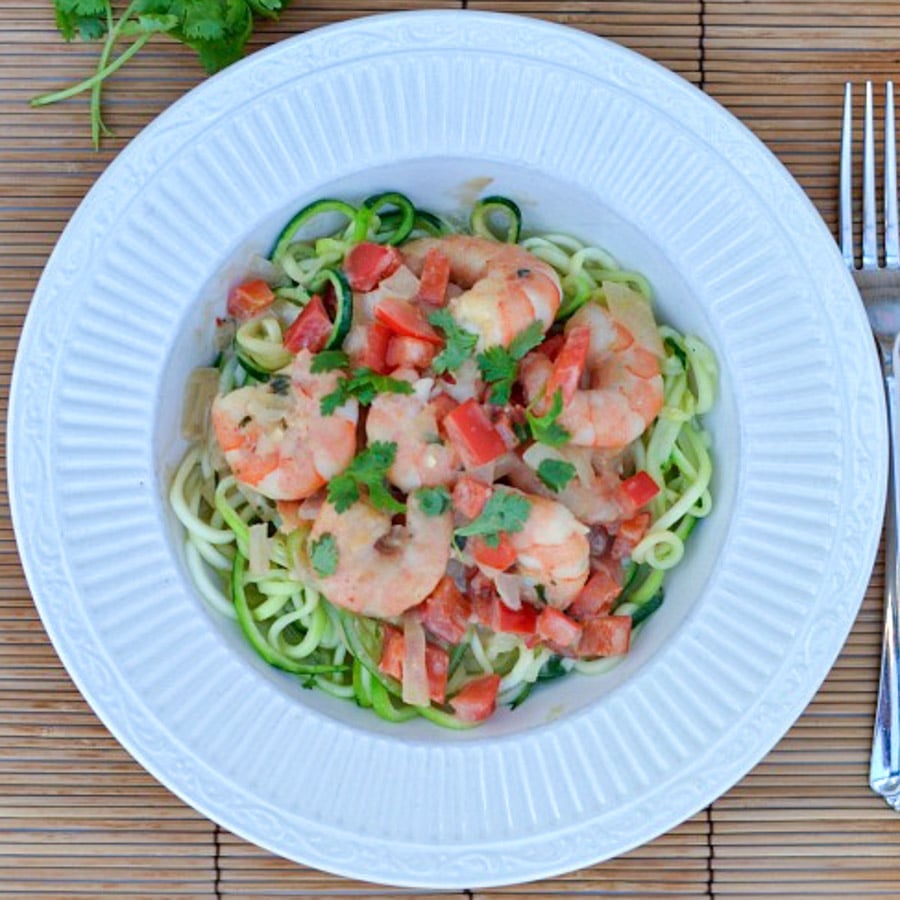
(78, 818)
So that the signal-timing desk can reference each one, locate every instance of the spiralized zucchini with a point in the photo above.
(294, 627)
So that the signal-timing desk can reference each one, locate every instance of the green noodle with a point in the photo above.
(298, 624)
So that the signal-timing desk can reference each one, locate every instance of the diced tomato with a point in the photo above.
(367, 264)
(489, 610)
(640, 488)
(250, 299)
(557, 628)
(568, 367)
(446, 611)
(629, 535)
(437, 662)
(311, 329)
(477, 700)
(597, 596)
(500, 557)
(552, 345)
(470, 495)
(441, 405)
(475, 438)
(409, 353)
(503, 422)
(435, 278)
(605, 636)
(404, 318)
(374, 354)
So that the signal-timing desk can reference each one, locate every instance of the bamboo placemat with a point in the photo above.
(79, 818)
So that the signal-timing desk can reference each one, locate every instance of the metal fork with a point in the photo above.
(879, 286)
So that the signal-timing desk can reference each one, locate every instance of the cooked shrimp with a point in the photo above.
(506, 288)
(423, 459)
(552, 551)
(382, 569)
(625, 391)
(275, 438)
(593, 495)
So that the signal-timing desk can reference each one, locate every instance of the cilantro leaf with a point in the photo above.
(459, 342)
(329, 360)
(435, 501)
(503, 512)
(364, 385)
(323, 554)
(545, 429)
(555, 473)
(368, 470)
(500, 365)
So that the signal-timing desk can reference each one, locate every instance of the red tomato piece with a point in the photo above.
(470, 496)
(515, 621)
(500, 557)
(597, 596)
(442, 404)
(311, 329)
(437, 662)
(475, 438)
(477, 700)
(605, 636)
(409, 353)
(405, 319)
(434, 279)
(446, 612)
(374, 353)
(557, 628)
(250, 299)
(640, 488)
(629, 535)
(568, 367)
(367, 264)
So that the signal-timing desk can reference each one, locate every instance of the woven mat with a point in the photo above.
(79, 818)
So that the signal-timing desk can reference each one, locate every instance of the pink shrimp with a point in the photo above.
(625, 392)
(505, 288)
(274, 435)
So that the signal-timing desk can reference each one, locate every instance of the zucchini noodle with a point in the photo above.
(290, 624)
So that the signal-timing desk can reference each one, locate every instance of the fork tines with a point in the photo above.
(870, 250)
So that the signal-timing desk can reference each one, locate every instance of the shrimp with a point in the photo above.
(382, 569)
(423, 459)
(552, 551)
(506, 288)
(625, 391)
(274, 435)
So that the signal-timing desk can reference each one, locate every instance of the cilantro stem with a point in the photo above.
(99, 76)
(112, 34)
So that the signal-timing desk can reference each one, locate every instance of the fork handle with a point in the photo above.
(884, 771)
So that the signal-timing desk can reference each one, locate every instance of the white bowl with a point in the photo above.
(590, 139)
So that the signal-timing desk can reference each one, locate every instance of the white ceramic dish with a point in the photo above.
(594, 140)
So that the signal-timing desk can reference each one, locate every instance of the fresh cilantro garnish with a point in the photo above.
(435, 501)
(368, 470)
(545, 429)
(555, 473)
(217, 31)
(459, 342)
(323, 555)
(500, 365)
(328, 361)
(503, 512)
(364, 385)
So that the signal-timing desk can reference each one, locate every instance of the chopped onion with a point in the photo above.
(467, 381)
(415, 675)
(258, 556)
(422, 389)
(487, 474)
(199, 393)
(509, 587)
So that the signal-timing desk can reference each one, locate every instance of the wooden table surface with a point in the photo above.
(79, 818)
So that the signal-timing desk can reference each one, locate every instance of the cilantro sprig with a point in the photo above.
(555, 473)
(323, 554)
(500, 365)
(545, 429)
(368, 470)
(217, 30)
(504, 512)
(435, 501)
(364, 385)
(459, 343)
